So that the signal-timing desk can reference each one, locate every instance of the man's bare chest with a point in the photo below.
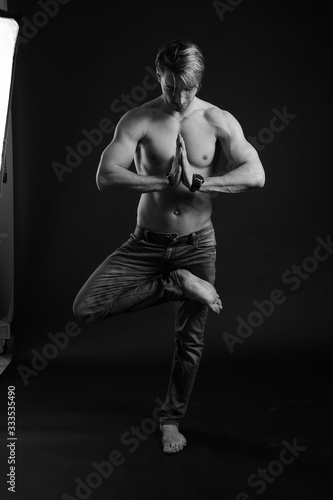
(158, 147)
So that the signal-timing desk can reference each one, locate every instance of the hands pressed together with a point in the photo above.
(181, 170)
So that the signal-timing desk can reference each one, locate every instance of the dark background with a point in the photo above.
(263, 55)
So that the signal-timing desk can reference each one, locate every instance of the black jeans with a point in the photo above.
(142, 273)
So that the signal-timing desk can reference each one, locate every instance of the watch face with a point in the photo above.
(198, 179)
(197, 182)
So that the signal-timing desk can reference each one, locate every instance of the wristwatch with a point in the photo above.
(197, 182)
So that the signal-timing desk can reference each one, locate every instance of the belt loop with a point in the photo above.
(145, 232)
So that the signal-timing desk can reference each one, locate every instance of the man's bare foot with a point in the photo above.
(172, 440)
(197, 289)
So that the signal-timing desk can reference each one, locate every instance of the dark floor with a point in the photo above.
(240, 420)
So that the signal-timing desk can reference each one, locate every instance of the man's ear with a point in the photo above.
(158, 75)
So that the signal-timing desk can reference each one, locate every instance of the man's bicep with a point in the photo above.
(234, 144)
(120, 152)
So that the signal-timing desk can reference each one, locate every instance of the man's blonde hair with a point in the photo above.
(182, 58)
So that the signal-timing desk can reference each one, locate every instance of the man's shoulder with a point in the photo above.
(135, 121)
(220, 119)
(215, 115)
(141, 113)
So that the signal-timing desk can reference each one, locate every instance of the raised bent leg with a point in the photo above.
(128, 280)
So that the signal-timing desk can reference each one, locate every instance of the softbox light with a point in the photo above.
(9, 29)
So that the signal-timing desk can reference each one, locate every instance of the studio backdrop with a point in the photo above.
(80, 66)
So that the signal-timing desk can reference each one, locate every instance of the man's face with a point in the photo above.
(175, 92)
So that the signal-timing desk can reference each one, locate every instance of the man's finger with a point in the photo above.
(182, 146)
(183, 156)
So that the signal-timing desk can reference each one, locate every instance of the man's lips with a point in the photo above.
(178, 106)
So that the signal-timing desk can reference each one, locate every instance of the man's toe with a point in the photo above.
(167, 448)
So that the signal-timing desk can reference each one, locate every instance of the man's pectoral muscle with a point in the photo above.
(176, 209)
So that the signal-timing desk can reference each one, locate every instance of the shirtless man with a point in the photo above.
(170, 256)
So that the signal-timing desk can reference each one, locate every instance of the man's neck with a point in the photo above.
(178, 115)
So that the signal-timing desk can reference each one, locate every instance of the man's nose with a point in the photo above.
(180, 97)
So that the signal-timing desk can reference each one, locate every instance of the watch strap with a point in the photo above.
(197, 182)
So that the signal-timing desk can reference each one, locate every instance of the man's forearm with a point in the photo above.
(241, 179)
(125, 180)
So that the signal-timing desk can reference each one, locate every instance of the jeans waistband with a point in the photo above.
(166, 238)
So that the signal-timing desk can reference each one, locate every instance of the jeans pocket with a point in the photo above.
(206, 241)
(136, 239)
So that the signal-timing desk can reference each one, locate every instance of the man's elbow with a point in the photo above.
(103, 178)
(101, 182)
(258, 178)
